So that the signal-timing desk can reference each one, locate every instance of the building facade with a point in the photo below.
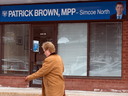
(92, 44)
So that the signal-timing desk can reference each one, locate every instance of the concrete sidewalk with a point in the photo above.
(12, 91)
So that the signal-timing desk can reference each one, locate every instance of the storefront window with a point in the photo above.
(72, 47)
(15, 50)
(105, 49)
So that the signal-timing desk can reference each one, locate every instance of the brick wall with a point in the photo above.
(13, 81)
(112, 85)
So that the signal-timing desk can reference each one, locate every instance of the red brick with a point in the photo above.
(12, 81)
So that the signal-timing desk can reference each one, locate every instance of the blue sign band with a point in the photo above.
(59, 12)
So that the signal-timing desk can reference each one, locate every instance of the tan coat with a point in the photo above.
(52, 73)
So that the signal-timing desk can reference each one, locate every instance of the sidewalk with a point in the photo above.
(12, 91)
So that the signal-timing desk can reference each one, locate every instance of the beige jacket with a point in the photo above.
(52, 73)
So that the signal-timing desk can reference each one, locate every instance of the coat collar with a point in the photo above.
(53, 53)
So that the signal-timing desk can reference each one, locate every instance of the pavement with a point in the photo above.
(13, 91)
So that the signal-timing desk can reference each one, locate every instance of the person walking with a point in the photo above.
(52, 72)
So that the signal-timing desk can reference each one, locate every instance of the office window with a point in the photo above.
(15, 53)
(105, 49)
(72, 47)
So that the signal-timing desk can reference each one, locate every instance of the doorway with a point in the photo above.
(39, 35)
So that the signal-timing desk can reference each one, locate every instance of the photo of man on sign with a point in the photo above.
(119, 9)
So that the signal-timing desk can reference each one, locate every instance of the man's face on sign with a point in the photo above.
(119, 8)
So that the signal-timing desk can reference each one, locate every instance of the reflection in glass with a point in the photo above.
(72, 47)
(105, 49)
(36, 66)
(41, 34)
(15, 52)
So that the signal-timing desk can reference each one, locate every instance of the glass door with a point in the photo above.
(39, 35)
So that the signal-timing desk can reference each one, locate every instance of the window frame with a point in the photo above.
(1, 47)
(121, 51)
(78, 50)
(88, 51)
